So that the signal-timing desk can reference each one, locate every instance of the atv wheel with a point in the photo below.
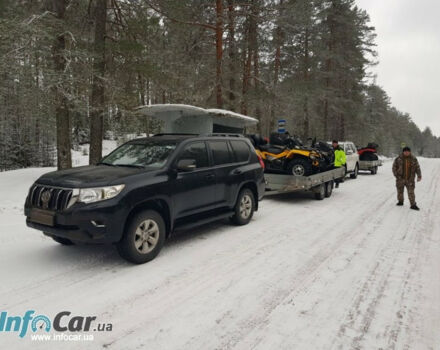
(299, 167)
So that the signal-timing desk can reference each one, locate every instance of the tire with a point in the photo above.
(244, 207)
(299, 167)
(328, 189)
(63, 241)
(143, 238)
(354, 175)
(320, 192)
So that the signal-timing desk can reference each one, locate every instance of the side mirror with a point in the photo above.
(186, 165)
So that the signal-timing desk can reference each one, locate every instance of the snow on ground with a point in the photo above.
(350, 272)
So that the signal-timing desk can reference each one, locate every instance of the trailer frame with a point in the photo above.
(321, 184)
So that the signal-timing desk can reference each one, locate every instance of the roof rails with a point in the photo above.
(222, 134)
(205, 135)
(175, 134)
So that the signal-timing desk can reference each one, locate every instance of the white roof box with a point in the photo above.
(180, 118)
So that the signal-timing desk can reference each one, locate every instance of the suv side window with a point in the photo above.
(220, 152)
(241, 150)
(197, 151)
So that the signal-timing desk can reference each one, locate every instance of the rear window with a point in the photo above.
(220, 152)
(241, 150)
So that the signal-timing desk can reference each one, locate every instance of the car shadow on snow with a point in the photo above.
(89, 255)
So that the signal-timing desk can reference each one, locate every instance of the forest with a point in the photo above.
(73, 72)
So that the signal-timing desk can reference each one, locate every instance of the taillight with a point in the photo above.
(261, 161)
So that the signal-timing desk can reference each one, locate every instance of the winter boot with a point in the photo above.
(415, 207)
(399, 203)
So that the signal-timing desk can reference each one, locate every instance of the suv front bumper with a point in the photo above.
(101, 222)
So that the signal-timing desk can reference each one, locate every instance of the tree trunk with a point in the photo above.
(232, 53)
(277, 66)
(219, 51)
(306, 117)
(64, 157)
(98, 89)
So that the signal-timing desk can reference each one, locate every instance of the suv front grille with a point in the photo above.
(51, 198)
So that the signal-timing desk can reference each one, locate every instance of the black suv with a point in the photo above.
(147, 189)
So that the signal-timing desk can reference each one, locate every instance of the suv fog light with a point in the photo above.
(97, 223)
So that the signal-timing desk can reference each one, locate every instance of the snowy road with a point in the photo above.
(350, 272)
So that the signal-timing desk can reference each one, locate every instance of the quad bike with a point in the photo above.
(287, 155)
(368, 153)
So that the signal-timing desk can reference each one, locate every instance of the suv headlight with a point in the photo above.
(91, 195)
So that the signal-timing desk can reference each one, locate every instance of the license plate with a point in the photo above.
(43, 217)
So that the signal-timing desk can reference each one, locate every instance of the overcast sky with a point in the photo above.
(408, 39)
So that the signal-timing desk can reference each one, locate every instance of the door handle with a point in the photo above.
(237, 172)
(209, 176)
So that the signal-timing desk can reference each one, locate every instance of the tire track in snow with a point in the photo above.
(372, 291)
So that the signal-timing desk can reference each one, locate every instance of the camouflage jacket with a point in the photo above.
(399, 170)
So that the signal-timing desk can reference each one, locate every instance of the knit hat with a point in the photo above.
(406, 149)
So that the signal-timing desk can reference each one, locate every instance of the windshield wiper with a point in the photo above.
(130, 165)
(124, 165)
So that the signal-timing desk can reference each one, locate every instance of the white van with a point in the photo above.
(352, 165)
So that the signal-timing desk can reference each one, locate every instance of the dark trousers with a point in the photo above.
(410, 187)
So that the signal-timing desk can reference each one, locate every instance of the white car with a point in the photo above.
(352, 164)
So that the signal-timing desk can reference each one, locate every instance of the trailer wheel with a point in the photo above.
(320, 192)
(329, 189)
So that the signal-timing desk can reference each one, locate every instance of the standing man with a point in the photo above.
(340, 159)
(405, 168)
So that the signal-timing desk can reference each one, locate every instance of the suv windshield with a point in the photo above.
(151, 154)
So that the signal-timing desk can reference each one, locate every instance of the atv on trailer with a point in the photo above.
(369, 153)
(287, 155)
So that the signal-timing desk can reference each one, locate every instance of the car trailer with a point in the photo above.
(370, 165)
(320, 184)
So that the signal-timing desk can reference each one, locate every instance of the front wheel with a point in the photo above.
(144, 237)
(354, 175)
(299, 167)
(244, 207)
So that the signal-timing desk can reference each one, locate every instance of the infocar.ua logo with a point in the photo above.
(21, 323)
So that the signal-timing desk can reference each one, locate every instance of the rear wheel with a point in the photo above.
(374, 171)
(63, 241)
(300, 167)
(244, 207)
(354, 175)
(143, 238)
